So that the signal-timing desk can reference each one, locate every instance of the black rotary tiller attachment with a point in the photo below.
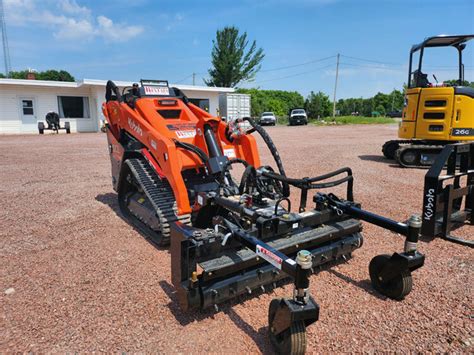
(255, 245)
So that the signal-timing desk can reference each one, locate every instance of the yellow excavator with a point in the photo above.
(434, 114)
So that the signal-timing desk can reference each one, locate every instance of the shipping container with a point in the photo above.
(233, 106)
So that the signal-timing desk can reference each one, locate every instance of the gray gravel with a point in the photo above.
(84, 280)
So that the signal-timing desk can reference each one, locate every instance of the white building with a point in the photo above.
(25, 102)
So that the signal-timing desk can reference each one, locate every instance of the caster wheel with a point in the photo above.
(291, 341)
(396, 288)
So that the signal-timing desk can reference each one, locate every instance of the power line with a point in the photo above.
(369, 66)
(432, 67)
(180, 81)
(395, 64)
(297, 74)
(189, 76)
(370, 60)
(297, 65)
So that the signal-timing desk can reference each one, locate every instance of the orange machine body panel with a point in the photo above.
(158, 122)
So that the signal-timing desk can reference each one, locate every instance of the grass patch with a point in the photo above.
(343, 120)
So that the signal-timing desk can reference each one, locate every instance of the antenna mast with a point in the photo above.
(6, 51)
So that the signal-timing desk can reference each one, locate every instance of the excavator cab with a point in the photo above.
(435, 113)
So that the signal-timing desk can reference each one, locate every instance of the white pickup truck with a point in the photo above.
(297, 116)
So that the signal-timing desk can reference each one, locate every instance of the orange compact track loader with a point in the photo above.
(171, 167)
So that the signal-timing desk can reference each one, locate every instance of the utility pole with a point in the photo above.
(335, 88)
(194, 79)
(6, 51)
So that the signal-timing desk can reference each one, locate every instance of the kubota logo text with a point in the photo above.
(429, 205)
(133, 125)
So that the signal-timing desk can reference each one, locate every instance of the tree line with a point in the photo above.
(54, 75)
(318, 104)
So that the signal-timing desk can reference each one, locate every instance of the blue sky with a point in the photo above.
(133, 39)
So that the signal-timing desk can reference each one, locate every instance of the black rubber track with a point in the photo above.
(159, 193)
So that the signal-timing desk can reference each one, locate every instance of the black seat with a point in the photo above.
(421, 79)
(464, 90)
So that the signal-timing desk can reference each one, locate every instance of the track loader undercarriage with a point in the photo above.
(173, 168)
(413, 153)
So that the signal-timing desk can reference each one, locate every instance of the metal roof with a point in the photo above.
(102, 83)
(443, 41)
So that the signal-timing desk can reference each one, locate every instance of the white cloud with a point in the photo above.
(116, 32)
(72, 7)
(68, 21)
(75, 29)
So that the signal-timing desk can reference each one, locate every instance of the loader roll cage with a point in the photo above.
(112, 92)
(457, 41)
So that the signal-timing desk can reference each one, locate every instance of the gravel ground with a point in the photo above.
(76, 277)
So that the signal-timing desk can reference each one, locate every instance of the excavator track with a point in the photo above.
(417, 155)
(390, 148)
(154, 192)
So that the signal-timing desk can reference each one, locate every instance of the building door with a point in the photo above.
(201, 103)
(27, 111)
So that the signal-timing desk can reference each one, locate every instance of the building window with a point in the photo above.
(73, 107)
(201, 103)
(27, 107)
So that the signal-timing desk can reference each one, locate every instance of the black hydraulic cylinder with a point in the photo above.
(211, 142)
(236, 207)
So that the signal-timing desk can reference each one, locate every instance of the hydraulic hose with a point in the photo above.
(271, 146)
(192, 148)
(110, 89)
(310, 182)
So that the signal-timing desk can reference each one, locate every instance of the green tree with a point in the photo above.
(317, 105)
(380, 110)
(455, 82)
(53, 75)
(232, 62)
(396, 101)
(277, 101)
(367, 107)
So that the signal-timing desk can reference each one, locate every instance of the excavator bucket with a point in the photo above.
(449, 193)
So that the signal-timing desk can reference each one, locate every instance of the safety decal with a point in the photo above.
(229, 153)
(185, 134)
(181, 127)
(269, 256)
(156, 90)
